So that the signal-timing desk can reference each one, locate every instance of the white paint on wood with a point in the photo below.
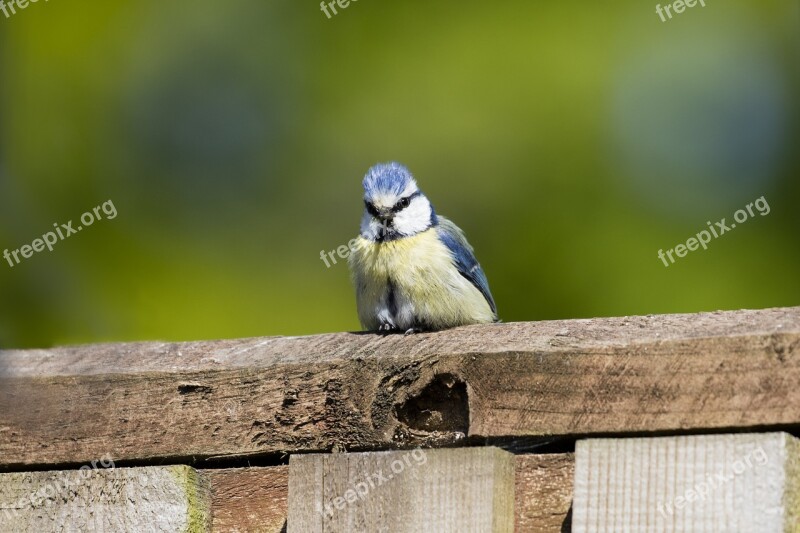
(703, 483)
(451, 490)
(163, 499)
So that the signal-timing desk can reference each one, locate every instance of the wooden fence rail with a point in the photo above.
(223, 403)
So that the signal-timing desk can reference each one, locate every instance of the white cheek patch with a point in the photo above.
(415, 218)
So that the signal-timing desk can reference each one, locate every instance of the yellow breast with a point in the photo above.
(426, 286)
(401, 259)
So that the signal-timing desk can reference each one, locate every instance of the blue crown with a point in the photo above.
(391, 178)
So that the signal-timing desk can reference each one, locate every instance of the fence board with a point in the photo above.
(453, 490)
(173, 498)
(190, 402)
(543, 493)
(249, 499)
(703, 483)
(256, 499)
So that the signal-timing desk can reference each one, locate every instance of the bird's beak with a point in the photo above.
(385, 214)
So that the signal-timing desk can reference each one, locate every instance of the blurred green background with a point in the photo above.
(570, 140)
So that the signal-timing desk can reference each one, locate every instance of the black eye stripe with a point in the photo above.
(399, 206)
(404, 202)
(371, 209)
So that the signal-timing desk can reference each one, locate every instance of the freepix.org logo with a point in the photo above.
(718, 229)
(62, 231)
(61, 487)
(700, 491)
(374, 480)
(328, 7)
(10, 8)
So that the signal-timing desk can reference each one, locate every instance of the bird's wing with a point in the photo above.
(455, 240)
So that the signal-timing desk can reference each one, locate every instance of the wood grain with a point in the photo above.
(703, 483)
(412, 491)
(255, 499)
(543, 493)
(173, 498)
(217, 400)
(252, 500)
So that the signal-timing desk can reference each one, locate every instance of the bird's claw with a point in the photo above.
(386, 327)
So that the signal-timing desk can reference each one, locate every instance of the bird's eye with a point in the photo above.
(401, 204)
(371, 209)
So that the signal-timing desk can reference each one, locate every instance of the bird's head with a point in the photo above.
(394, 205)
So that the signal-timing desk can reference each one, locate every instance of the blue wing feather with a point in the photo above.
(464, 258)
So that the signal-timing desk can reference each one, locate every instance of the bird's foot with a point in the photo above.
(411, 331)
(386, 328)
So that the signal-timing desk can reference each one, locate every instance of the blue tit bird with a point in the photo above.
(413, 269)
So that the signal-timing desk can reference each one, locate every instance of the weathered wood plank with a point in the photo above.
(451, 490)
(543, 493)
(250, 500)
(201, 400)
(704, 483)
(173, 498)
(255, 499)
